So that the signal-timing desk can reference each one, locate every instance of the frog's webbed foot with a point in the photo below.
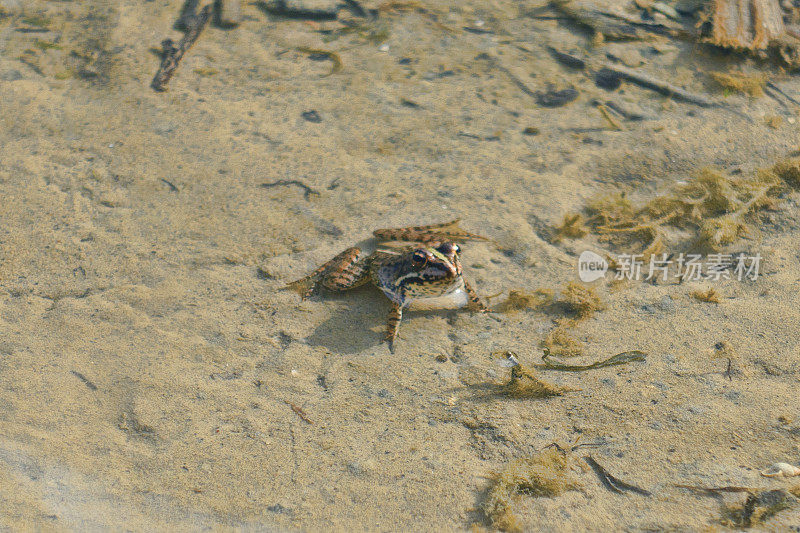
(475, 304)
(305, 287)
(434, 233)
(393, 325)
(345, 271)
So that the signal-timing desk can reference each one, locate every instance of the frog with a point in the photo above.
(416, 267)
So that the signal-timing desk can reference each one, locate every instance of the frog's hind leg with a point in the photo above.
(345, 271)
(348, 274)
(393, 325)
(434, 233)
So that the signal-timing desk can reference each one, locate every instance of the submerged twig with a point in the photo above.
(171, 185)
(307, 191)
(636, 77)
(299, 412)
(625, 113)
(171, 54)
(606, 115)
(612, 483)
(714, 491)
(780, 91)
(660, 86)
(605, 22)
(317, 52)
(495, 63)
(84, 379)
(619, 359)
(357, 9)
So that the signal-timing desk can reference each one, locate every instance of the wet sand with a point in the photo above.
(149, 358)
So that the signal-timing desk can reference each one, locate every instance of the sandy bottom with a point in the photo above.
(153, 373)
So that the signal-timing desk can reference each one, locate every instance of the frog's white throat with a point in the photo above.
(454, 298)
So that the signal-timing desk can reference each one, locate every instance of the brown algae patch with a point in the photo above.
(757, 508)
(518, 300)
(713, 210)
(524, 383)
(582, 301)
(750, 84)
(546, 473)
(572, 228)
(561, 344)
(789, 171)
(710, 295)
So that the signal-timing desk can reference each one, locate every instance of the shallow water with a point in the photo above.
(150, 362)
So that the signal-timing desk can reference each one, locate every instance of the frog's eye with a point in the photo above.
(449, 248)
(419, 259)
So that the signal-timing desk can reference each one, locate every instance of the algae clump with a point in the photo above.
(561, 344)
(750, 84)
(582, 301)
(546, 473)
(525, 384)
(518, 300)
(710, 295)
(712, 209)
(757, 508)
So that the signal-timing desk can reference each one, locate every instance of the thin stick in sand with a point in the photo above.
(172, 54)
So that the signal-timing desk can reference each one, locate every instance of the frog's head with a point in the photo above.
(430, 271)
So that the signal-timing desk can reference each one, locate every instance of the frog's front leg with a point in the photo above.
(393, 325)
(347, 270)
(475, 303)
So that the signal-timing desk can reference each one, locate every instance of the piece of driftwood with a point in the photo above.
(743, 24)
(187, 14)
(171, 55)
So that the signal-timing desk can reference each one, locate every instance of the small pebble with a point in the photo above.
(356, 469)
(666, 304)
(230, 13)
(607, 79)
(781, 470)
(553, 98)
(312, 116)
(11, 75)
